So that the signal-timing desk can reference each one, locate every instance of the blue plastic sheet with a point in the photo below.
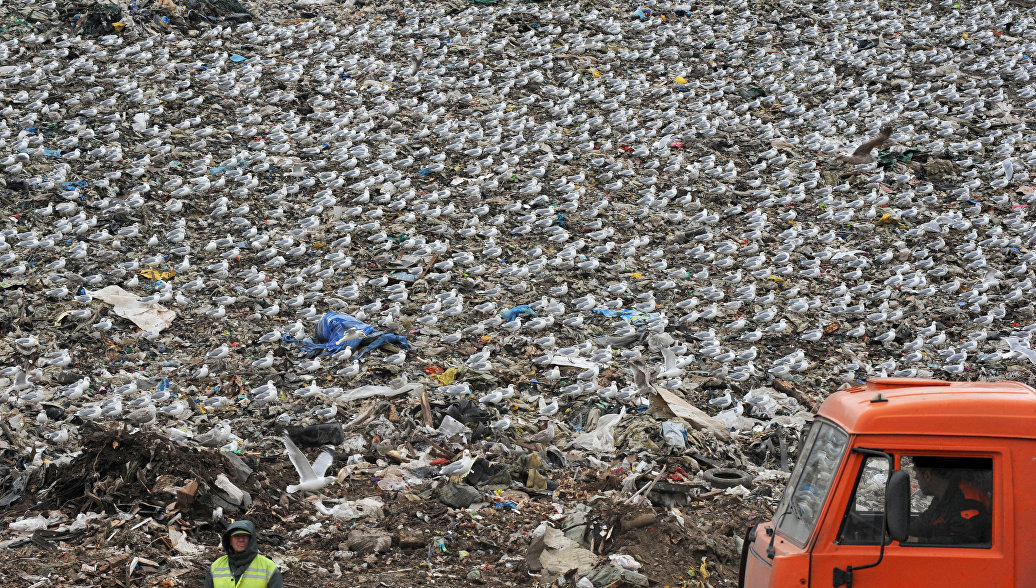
(330, 332)
(73, 185)
(517, 311)
(628, 315)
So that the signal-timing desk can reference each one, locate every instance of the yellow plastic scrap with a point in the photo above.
(594, 72)
(680, 80)
(118, 26)
(446, 378)
(888, 220)
(157, 274)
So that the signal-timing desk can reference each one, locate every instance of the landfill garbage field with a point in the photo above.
(493, 293)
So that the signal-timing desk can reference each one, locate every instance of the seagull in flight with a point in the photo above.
(311, 476)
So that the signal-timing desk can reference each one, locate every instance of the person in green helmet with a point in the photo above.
(243, 566)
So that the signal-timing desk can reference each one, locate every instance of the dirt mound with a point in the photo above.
(117, 469)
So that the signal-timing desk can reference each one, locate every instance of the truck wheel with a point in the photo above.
(727, 478)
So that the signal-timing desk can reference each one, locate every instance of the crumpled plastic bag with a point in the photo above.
(29, 524)
(517, 311)
(446, 378)
(348, 510)
(627, 314)
(392, 479)
(602, 438)
(674, 434)
(467, 411)
(371, 390)
(181, 544)
(730, 417)
(450, 427)
(625, 561)
(329, 335)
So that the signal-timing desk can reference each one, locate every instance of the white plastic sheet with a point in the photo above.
(149, 317)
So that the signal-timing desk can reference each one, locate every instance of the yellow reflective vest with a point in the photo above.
(257, 575)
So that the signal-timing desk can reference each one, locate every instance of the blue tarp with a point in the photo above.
(332, 329)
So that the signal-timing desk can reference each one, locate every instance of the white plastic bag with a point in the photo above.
(29, 524)
(181, 544)
(601, 439)
(451, 427)
(625, 561)
(348, 510)
(674, 434)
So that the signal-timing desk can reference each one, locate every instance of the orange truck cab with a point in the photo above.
(907, 482)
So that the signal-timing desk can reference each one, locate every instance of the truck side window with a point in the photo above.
(951, 501)
(865, 516)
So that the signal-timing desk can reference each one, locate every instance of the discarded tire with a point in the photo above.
(728, 478)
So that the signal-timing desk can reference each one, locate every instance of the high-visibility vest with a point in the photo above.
(257, 575)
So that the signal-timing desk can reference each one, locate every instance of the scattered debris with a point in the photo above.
(510, 293)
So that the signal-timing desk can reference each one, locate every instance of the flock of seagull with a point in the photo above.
(820, 192)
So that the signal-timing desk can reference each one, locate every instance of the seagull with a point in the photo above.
(544, 436)
(497, 395)
(214, 437)
(548, 409)
(311, 476)
(351, 335)
(201, 373)
(862, 154)
(670, 369)
(1021, 348)
(219, 352)
(552, 376)
(59, 437)
(460, 468)
(144, 415)
(264, 362)
(176, 410)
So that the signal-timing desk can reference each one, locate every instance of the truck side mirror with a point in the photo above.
(897, 505)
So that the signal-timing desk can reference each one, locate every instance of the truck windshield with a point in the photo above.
(807, 489)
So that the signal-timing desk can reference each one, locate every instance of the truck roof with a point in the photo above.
(914, 406)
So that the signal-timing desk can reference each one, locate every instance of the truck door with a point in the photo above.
(958, 507)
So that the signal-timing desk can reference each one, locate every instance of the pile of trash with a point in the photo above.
(515, 293)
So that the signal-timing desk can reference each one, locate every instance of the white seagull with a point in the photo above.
(311, 477)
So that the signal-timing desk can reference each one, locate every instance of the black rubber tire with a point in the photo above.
(723, 478)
